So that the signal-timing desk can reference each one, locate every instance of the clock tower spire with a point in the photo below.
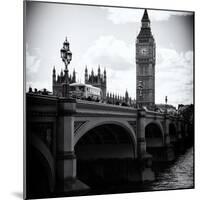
(145, 64)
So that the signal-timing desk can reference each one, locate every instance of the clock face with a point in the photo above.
(143, 51)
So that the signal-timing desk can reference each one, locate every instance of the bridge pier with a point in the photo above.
(168, 148)
(67, 183)
(145, 166)
(145, 159)
(180, 144)
(157, 137)
(164, 153)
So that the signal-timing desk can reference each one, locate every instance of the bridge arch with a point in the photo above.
(90, 125)
(154, 134)
(40, 159)
(104, 151)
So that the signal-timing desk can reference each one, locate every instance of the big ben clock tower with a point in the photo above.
(145, 64)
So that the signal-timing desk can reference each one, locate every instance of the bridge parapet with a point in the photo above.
(173, 118)
(155, 115)
(93, 108)
(41, 105)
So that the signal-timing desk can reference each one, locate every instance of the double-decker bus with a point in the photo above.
(85, 91)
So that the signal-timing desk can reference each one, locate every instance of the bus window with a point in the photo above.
(82, 88)
(72, 88)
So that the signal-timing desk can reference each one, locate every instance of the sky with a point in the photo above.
(106, 36)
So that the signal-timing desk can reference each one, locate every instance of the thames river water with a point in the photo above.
(176, 175)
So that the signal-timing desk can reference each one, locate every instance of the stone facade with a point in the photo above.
(98, 80)
(57, 82)
(125, 100)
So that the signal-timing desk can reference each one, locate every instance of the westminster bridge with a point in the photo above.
(68, 140)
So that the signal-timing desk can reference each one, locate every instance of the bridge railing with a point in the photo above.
(93, 107)
(155, 114)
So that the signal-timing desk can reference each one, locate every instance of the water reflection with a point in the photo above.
(177, 175)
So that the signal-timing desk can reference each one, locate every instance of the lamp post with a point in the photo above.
(166, 104)
(66, 56)
(140, 87)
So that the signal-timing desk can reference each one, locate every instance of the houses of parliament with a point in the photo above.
(145, 72)
(96, 80)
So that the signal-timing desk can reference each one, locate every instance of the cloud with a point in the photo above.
(174, 70)
(32, 60)
(35, 67)
(118, 58)
(174, 76)
(122, 81)
(124, 15)
(111, 53)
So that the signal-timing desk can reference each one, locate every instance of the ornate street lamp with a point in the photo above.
(166, 104)
(140, 87)
(166, 100)
(66, 56)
